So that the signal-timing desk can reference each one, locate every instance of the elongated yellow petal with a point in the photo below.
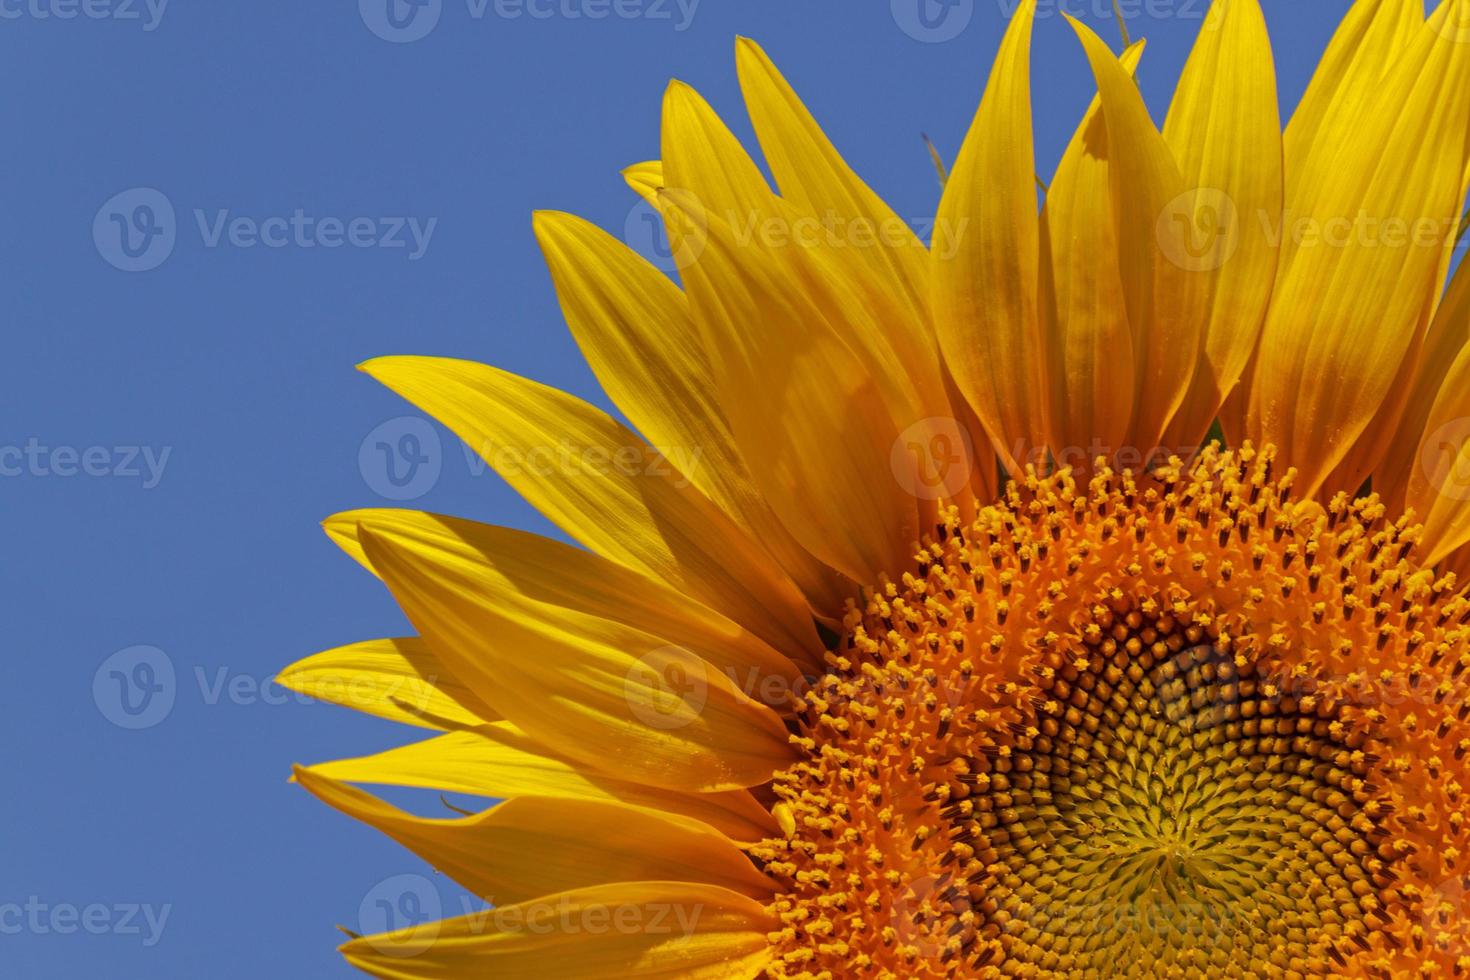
(809, 170)
(646, 178)
(601, 484)
(1366, 44)
(535, 845)
(986, 256)
(1089, 342)
(819, 438)
(1448, 335)
(785, 309)
(1361, 266)
(1438, 474)
(665, 929)
(629, 701)
(1164, 304)
(1225, 130)
(499, 760)
(535, 577)
(399, 679)
(633, 325)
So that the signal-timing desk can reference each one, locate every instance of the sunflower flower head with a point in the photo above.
(921, 629)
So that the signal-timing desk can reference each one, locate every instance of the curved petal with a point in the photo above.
(499, 760)
(986, 257)
(629, 702)
(1448, 336)
(1164, 301)
(1362, 266)
(539, 578)
(602, 484)
(1089, 342)
(646, 178)
(536, 845)
(398, 679)
(1439, 474)
(668, 930)
(634, 327)
(1225, 130)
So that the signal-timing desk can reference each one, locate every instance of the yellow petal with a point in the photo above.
(627, 701)
(1361, 269)
(541, 579)
(809, 171)
(646, 178)
(1088, 340)
(400, 680)
(534, 845)
(1164, 305)
(634, 327)
(603, 485)
(499, 760)
(986, 256)
(1366, 44)
(808, 412)
(1436, 479)
(846, 291)
(664, 929)
(1225, 130)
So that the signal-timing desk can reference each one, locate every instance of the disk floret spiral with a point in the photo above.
(1173, 725)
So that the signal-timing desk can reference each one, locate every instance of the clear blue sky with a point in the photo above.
(208, 410)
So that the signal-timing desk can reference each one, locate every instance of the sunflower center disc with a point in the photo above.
(1109, 730)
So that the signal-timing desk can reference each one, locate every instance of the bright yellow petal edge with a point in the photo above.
(909, 631)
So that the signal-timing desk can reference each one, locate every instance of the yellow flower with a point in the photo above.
(826, 694)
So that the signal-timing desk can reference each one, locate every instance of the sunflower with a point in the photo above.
(922, 628)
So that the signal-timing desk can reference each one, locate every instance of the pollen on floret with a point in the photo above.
(1175, 724)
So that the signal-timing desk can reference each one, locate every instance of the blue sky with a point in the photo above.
(304, 186)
